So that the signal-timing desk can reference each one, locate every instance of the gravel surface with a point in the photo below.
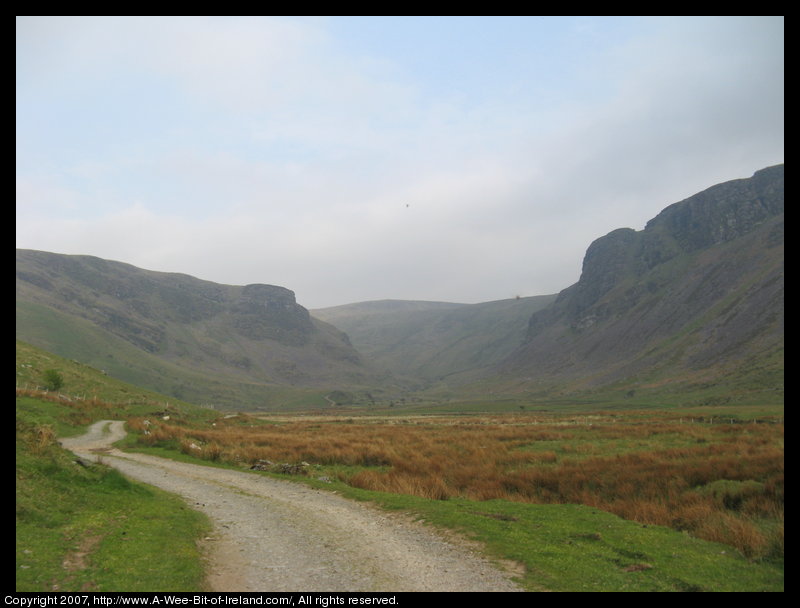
(272, 535)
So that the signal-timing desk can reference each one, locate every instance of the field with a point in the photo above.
(719, 478)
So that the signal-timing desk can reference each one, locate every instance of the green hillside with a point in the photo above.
(86, 394)
(231, 347)
(435, 342)
(689, 310)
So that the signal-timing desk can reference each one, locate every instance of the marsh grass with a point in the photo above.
(719, 482)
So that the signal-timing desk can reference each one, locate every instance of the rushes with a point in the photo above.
(719, 482)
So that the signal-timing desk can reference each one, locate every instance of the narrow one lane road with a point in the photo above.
(273, 535)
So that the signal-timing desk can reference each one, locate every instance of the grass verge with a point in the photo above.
(85, 527)
(578, 548)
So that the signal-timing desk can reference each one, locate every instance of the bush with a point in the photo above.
(53, 380)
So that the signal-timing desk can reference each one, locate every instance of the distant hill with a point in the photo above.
(196, 340)
(693, 300)
(428, 342)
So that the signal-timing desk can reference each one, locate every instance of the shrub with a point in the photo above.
(53, 380)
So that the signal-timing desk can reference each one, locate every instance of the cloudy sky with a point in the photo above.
(455, 159)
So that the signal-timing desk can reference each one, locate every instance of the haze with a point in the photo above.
(462, 159)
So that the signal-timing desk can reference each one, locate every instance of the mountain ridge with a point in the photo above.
(147, 326)
(694, 299)
(429, 342)
(701, 286)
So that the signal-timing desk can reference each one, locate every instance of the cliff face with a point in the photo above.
(267, 312)
(724, 212)
(699, 289)
(696, 297)
(138, 304)
(80, 306)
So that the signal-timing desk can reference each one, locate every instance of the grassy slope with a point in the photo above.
(707, 322)
(78, 339)
(435, 340)
(180, 336)
(87, 528)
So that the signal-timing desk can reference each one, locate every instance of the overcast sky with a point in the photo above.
(461, 159)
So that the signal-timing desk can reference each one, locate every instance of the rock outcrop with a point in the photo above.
(179, 334)
(698, 292)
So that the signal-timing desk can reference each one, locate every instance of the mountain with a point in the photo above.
(235, 346)
(691, 303)
(427, 342)
(693, 300)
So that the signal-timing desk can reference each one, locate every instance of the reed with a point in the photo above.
(719, 482)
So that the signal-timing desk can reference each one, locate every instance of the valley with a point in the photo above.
(435, 343)
(626, 433)
(690, 309)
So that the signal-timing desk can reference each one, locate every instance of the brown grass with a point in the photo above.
(41, 438)
(719, 482)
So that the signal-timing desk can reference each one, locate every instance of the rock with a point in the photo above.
(285, 468)
(261, 465)
(292, 469)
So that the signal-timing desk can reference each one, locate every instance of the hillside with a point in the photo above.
(196, 340)
(693, 301)
(429, 342)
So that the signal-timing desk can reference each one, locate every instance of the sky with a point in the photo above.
(457, 159)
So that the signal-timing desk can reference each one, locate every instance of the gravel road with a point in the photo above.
(272, 535)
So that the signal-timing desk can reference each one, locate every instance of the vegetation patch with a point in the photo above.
(569, 547)
(577, 499)
(84, 527)
(718, 482)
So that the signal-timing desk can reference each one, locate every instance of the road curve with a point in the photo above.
(272, 535)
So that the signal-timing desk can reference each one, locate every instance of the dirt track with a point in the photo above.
(272, 535)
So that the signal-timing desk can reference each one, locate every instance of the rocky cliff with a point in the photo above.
(694, 297)
(167, 330)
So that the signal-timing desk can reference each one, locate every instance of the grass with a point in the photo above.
(677, 499)
(636, 500)
(578, 548)
(85, 527)
(567, 547)
(720, 482)
(83, 384)
(208, 380)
